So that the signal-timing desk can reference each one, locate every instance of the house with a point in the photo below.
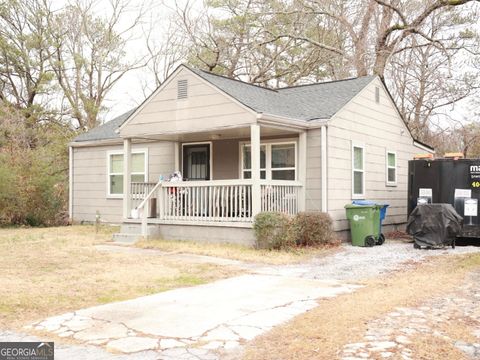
(243, 149)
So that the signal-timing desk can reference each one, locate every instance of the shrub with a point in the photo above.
(272, 231)
(312, 229)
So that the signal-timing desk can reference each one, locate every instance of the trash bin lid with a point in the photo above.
(355, 206)
(369, 202)
(364, 202)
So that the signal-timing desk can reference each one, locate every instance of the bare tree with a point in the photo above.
(24, 73)
(89, 55)
(424, 84)
(377, 29)
(167, 48)
(234, 38)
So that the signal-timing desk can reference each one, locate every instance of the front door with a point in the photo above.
(196, 162)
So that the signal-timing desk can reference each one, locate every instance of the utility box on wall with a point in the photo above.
(450, 181)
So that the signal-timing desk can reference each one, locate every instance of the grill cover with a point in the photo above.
(434, 225)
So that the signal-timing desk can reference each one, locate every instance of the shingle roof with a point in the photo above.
(105, 131)
(305, 102)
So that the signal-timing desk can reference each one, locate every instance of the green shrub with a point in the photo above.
(272, 231)
(312, 229)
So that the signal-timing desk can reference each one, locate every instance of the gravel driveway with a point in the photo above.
(356, 263)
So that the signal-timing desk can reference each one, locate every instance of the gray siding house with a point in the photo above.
(242, 149)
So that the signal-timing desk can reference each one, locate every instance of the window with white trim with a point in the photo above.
(358, 171)
(115, 170)
(247, 162)
(283, 161)
(391, 168)
(277, 161)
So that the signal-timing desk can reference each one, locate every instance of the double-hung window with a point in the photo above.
(391, 170)
(115, 170)
(277, 161)
(283, 161)
(358, 171)
(247, 161)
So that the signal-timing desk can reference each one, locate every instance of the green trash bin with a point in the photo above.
(364, 224)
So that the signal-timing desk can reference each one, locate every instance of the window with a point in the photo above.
(182, 89)
(115, 170)
(358, 171)
(283, 161)
(277, 161)
(391, 168)
(247, 162)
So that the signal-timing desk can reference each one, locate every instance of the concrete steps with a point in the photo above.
(130, 233)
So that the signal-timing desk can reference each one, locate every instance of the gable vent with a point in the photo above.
(377, 94)
(182, 89)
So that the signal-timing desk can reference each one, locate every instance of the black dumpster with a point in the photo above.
(447, 181)
(434, 226)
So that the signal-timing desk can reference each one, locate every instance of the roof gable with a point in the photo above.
(203, 108)
(304, 102)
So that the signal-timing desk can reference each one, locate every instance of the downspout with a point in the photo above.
(70, 183)
(323, 156)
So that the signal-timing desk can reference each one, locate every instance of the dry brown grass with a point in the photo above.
(322, 332)
(49, 271)
(434, 348)
(239, 252)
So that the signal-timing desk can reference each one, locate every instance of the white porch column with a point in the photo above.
(302, 168)
(255, 154)
(127, 170)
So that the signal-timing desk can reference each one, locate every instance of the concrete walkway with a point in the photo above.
(200, 322)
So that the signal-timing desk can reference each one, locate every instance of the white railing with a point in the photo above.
(228, 200)
(139, 192)
(281, 197)
(216, 201)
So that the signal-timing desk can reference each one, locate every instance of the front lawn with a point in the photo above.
(239, 252)
(49, 271)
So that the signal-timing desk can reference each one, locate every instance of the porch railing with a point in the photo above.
(139, 192)
(215, 201)
(229, 200)
(281, 197)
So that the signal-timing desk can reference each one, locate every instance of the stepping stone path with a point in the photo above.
(390, 337)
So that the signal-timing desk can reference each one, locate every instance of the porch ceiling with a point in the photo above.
(220, 134)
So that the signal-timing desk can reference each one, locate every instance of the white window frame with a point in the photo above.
(268, 158)
(391, 183)
(109, 172)
(362, 195)
(242, 169)
(210, 158)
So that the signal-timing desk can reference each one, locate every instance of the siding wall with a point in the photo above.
(163, 113)
(226, 159)
(90, 178)
(379, 128)
(313, 193)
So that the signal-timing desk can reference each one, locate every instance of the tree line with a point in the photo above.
(58, 66)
